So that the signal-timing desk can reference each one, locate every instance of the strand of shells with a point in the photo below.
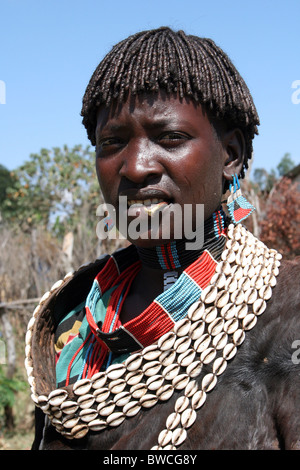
(208, 336)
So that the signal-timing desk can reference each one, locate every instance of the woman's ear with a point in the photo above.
(234, 146)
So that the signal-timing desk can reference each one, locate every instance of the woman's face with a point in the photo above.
(160, 152)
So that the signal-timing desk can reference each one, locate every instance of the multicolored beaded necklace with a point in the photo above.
(112, 341)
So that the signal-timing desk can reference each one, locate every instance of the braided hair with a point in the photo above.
(188, 65)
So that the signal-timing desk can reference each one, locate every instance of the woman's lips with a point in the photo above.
(148, 206)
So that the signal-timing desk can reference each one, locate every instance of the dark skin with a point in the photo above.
(159, 146)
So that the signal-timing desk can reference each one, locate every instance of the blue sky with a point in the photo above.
(49, 49)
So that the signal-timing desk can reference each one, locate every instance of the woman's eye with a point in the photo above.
(172, 138)
(109, 144)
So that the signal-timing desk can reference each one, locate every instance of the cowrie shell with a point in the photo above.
(88, 415)
(45, 297)
(197, 329)
(265, 292)
(228, 311)
(166, 341)
(70, 421)
(115, 419)
(121, 399)
(155, 382)
(99, 380)
(86, 401)
(257, 282)
(186, 358)
(165, 392)
(180, 381)
(210, 314)
(208, 382)
(220, 340)
(81, 387)
(131, 408)
(182, 327)
(79, 431)
(171, 371)
(151, 353)
(148, 400)
(106, 408)
(173, 420)
(188, 417)
(244, 283)
(134, 377)
(182, 344)
(42, 400)
(191, 388)
(238, 337)
(229, 351)
(167, 357)
(259, 306)
(216, 326)
(178, 436)
(117, 386)
(249, 321)
(194, 369)
(228, 255)
(151, 368)
(196, 311)
(164, 437)
(218, 280)
(101, 394)
(208, 355)
(115, 371)
(133, 362)
(250, 295)
(241, 310)
(202, 343)
(224, 267)
(181, 404)
(138, 390)
(231, 325)
(97, 425)
(237, 297)
(231, 285)
(209, 294)
(222, 299)
(56, 397)
(270, 279)
(198, 399)
(56, 285)
(219, 365)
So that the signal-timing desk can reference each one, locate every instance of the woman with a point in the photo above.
(165, 345)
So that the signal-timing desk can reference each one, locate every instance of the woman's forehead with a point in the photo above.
(157, 108)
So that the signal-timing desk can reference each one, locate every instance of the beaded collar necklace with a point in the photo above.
(209, 334)
(111, 339)
(173, 256)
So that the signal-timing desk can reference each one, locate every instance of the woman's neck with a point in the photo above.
(174, 256)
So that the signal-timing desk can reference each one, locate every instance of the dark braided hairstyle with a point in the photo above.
(176, 62)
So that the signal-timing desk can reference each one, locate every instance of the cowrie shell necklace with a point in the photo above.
(210, 334)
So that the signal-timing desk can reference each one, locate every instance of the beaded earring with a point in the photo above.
(238, 206)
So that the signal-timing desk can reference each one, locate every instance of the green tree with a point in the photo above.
(52, 188)
(6, 181)
(265, 180)
(285, 164)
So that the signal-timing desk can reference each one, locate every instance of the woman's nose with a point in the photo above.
(140, 161)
